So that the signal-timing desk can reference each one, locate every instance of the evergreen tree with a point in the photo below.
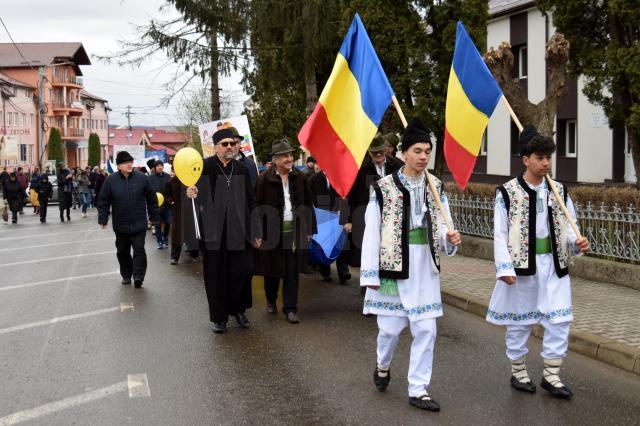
(605, 50)
(94, 150)
(207, 41)
(54, 146)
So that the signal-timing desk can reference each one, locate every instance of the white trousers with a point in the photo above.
(554, 343)
(421, 360)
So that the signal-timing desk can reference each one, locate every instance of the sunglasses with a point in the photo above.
(227, 144)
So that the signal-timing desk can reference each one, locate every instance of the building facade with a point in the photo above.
(588, 151)
(52, 71)
(18, 129)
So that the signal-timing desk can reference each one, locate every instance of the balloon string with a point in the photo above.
(195, 218)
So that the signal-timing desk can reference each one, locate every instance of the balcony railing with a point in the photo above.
(73, 133)
(58, 104)
(62, 79)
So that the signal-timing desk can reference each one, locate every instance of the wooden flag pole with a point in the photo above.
(551, 183)
(432, 187)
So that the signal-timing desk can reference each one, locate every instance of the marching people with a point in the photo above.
(326, 198)
(226, 204)
(158, 180)
(128, 196)
(374, 166)
(33, 190)
(65, 192)
(23, 180)
(12, 194)
(45, 192)
(84, 191)
(288, 219)
(403, 286)
(173, 193)
(532, 245)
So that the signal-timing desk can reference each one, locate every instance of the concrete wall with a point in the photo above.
(498, 133)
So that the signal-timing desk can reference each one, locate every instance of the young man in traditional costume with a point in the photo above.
(532, 244)
(404, 233)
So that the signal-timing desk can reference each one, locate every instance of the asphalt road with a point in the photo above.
(68, 346)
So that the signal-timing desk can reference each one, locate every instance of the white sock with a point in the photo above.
(551, 372)
(519, 370)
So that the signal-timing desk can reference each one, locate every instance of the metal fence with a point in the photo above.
(613, 232)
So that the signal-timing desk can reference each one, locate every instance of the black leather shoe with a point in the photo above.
(126, 281)
(271, 308)
(381, 382)
(137, 283)
(219, 327)
(344, 278)
(424, 402)
(242, 320)
(561, 392)
(521, 386)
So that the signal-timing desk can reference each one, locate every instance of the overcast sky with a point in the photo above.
(98, 25)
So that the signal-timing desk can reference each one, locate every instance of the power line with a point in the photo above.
(15, 45)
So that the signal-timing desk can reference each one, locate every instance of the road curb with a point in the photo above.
(597, 347)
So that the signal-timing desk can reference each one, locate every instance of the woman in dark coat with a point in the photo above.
(13, 194)
(65, 193)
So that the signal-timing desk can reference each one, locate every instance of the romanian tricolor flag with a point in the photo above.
(349, 110)
(472, 96)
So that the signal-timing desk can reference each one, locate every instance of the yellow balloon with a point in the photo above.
(187, 165)
(160, 198)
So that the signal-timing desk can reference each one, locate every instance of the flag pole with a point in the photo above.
(551, 183)
(432, 187)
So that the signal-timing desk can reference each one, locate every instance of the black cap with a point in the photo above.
(222, 134)
(151, 163)
(123, 157)
(311, 159)
(416, 132)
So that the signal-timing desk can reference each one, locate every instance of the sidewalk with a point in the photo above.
(606, 322)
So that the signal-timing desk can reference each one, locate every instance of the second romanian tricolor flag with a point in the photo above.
(472, 96)
(349, 110)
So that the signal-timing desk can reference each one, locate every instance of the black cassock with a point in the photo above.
(225, 204)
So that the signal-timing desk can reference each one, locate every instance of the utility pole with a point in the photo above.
(128, 114)
(41, 112)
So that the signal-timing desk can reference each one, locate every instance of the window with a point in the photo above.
(23, 153)
(483, 145)
(24, 119)
(572, 138)
(16, 117)
(28, 93)
(9, 119)
(522, 62)
(32, 120)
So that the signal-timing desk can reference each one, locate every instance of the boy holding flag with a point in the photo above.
(532, 244)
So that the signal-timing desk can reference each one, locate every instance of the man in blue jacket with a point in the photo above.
(129, 195)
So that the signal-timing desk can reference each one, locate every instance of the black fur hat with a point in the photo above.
(416, 132)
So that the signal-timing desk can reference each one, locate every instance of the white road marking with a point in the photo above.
(58, 280)
(136, 383)
(58, 319)
(127, 307)
(138, 386)
(42, 235)
(54, 244)
(49, 259)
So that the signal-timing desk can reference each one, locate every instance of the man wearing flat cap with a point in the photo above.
(128, 196)
(375, 166)
(288, 221)
(226, 202)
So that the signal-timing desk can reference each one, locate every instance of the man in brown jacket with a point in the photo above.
(288, 222)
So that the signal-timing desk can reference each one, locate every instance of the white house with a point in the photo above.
(588, 150)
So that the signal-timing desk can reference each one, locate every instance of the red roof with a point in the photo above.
(162, 137)
(119, 136)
